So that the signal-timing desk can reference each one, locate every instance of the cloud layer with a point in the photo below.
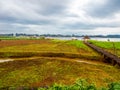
(63, 17)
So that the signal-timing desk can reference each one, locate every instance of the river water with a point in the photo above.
(93, 38)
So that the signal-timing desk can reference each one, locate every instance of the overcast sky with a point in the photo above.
(84, 17)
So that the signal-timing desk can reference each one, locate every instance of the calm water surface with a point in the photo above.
(81, 38)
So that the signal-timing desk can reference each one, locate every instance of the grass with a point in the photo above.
(106, 45)
(7, 38)
(27, 48)
(113, 47)
(19, 38)
(57, 61)
(80, 84)
(46, 72)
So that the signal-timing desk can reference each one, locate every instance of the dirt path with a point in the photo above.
(5, 60)
(65, 59)
(55, 58)
(87, 62)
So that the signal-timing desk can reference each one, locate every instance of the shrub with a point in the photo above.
(80, 84)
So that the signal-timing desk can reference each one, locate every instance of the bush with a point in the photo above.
(80, 84)
(114, 86)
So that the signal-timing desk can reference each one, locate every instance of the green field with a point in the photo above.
(113, 47)
(53, 64)
(53, 48)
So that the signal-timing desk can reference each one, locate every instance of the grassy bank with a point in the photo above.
(113, 47)
(45, 72)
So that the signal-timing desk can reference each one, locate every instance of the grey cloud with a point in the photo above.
(7, 19)
(51, 16)
(31, 11)
(42, 7)
(108, 9)
(53, 7)
(88, 26)
(11, 28)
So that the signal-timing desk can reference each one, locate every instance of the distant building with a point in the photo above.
(86, 38)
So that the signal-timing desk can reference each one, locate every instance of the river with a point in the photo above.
(93, 38)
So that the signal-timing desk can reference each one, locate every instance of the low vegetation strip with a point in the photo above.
(9, 43)
(108, 57)
(106, 44)
(112, 47)
(46, 54)
(78, 85)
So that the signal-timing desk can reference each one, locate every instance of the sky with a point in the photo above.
(81, 17)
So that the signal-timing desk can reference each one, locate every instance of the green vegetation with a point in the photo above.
(113, 47)
(21, 38)
(7, 38)
(54, 65)
(79, 44)
(106, 45)
(53, 48)
(79, 85)
(47, 71)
